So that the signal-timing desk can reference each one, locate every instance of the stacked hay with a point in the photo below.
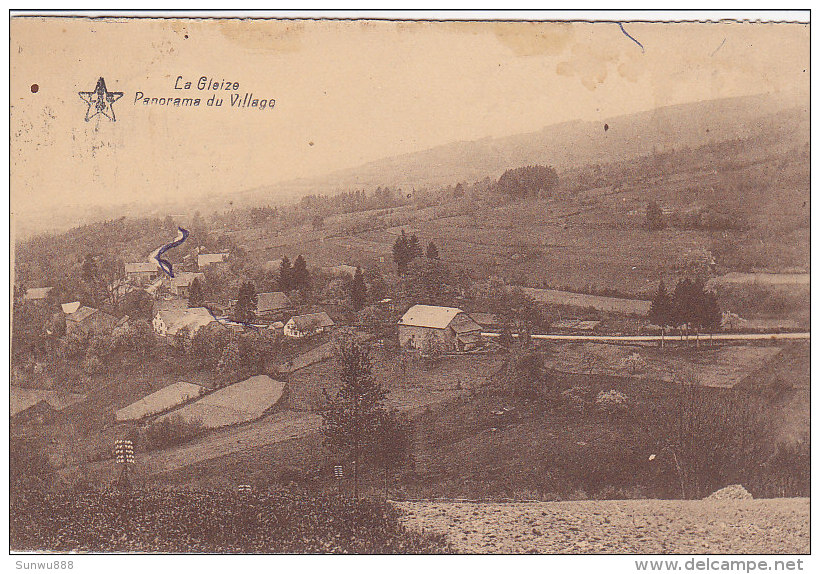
(731, 492)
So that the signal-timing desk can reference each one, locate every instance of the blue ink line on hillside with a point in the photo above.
(719, 47)
(164, 264)
(631, 38)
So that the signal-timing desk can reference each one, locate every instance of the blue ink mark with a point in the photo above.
(164, 264)
(631, 38)
(719, 47)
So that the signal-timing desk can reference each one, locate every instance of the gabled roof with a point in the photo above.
(193, 319)
(185, 278)
(141, 267)
(312, 321)
(36, 293)
(81, 314)
(430, 316)
(69, 308)
(272, 302)
(204, 259)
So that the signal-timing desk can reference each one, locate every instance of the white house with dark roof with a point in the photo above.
(308, 325)
(455, 329)
(141, 272)
(171, 321)
(205, 259)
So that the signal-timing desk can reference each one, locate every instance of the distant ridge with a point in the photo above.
(564, 145)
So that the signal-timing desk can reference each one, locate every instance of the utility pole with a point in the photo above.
(124, 455)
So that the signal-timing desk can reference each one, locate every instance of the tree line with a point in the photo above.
(690, 305)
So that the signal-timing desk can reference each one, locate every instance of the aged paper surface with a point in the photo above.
(369, 286)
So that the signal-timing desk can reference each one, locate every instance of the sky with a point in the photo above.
(345, 92)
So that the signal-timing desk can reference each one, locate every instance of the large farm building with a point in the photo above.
(454, 328)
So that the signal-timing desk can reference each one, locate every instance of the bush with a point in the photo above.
(198, 521)
(171, 431)
(611, 402)
(576, 398)
(634, 363)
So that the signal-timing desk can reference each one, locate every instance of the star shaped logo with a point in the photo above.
(100, 101)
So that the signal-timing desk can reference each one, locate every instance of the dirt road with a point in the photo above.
(704, 339)
(771, 526)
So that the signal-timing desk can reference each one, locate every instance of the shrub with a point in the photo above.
(171, 431)
(611, 402)
(576, 398)
(634, 363)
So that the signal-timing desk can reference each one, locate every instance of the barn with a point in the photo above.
(455, 329)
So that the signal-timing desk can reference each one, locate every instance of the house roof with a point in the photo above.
(185, 278)
(312, 321)
(430, 316)
(485, 318)
(81, 314)
(208, 258)
(272, 302)
(69, 308)
(193, 319)
(36, 293)
(141, 267)
(463, 323)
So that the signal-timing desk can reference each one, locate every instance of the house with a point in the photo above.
(205, 259)
(141, 273)
(89, 320)
(69, 308)
(488, 321)
(170, 321)
(454, 328)
(37, 294)
(273, 306)
(307, 325)
(180, 283)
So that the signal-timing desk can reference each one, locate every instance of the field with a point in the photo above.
(772, 526)
(209, 522)
(21, 398)
(714, 366)
(158, 401)
(237, 403)
(606, 304)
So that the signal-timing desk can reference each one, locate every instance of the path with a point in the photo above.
(669, 339)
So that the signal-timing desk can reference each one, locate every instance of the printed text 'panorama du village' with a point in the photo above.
(205, 91)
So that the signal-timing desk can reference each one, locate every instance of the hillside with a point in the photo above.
(567, 145)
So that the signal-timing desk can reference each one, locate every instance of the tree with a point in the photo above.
(285, 275)
(432, 251)
(245, 308)
(655, 219)
(196, 297)
(392, 448)
(413, 247)
(358, 290)
(660, 310)
(401, 253)
(352, 416)
(230, 362)
(527, 181)
(432, 282)
(301, 276)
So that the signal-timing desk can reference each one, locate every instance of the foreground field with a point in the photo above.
(773, 526)
(209, 521)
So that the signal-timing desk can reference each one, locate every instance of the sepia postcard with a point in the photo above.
(414, 284)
